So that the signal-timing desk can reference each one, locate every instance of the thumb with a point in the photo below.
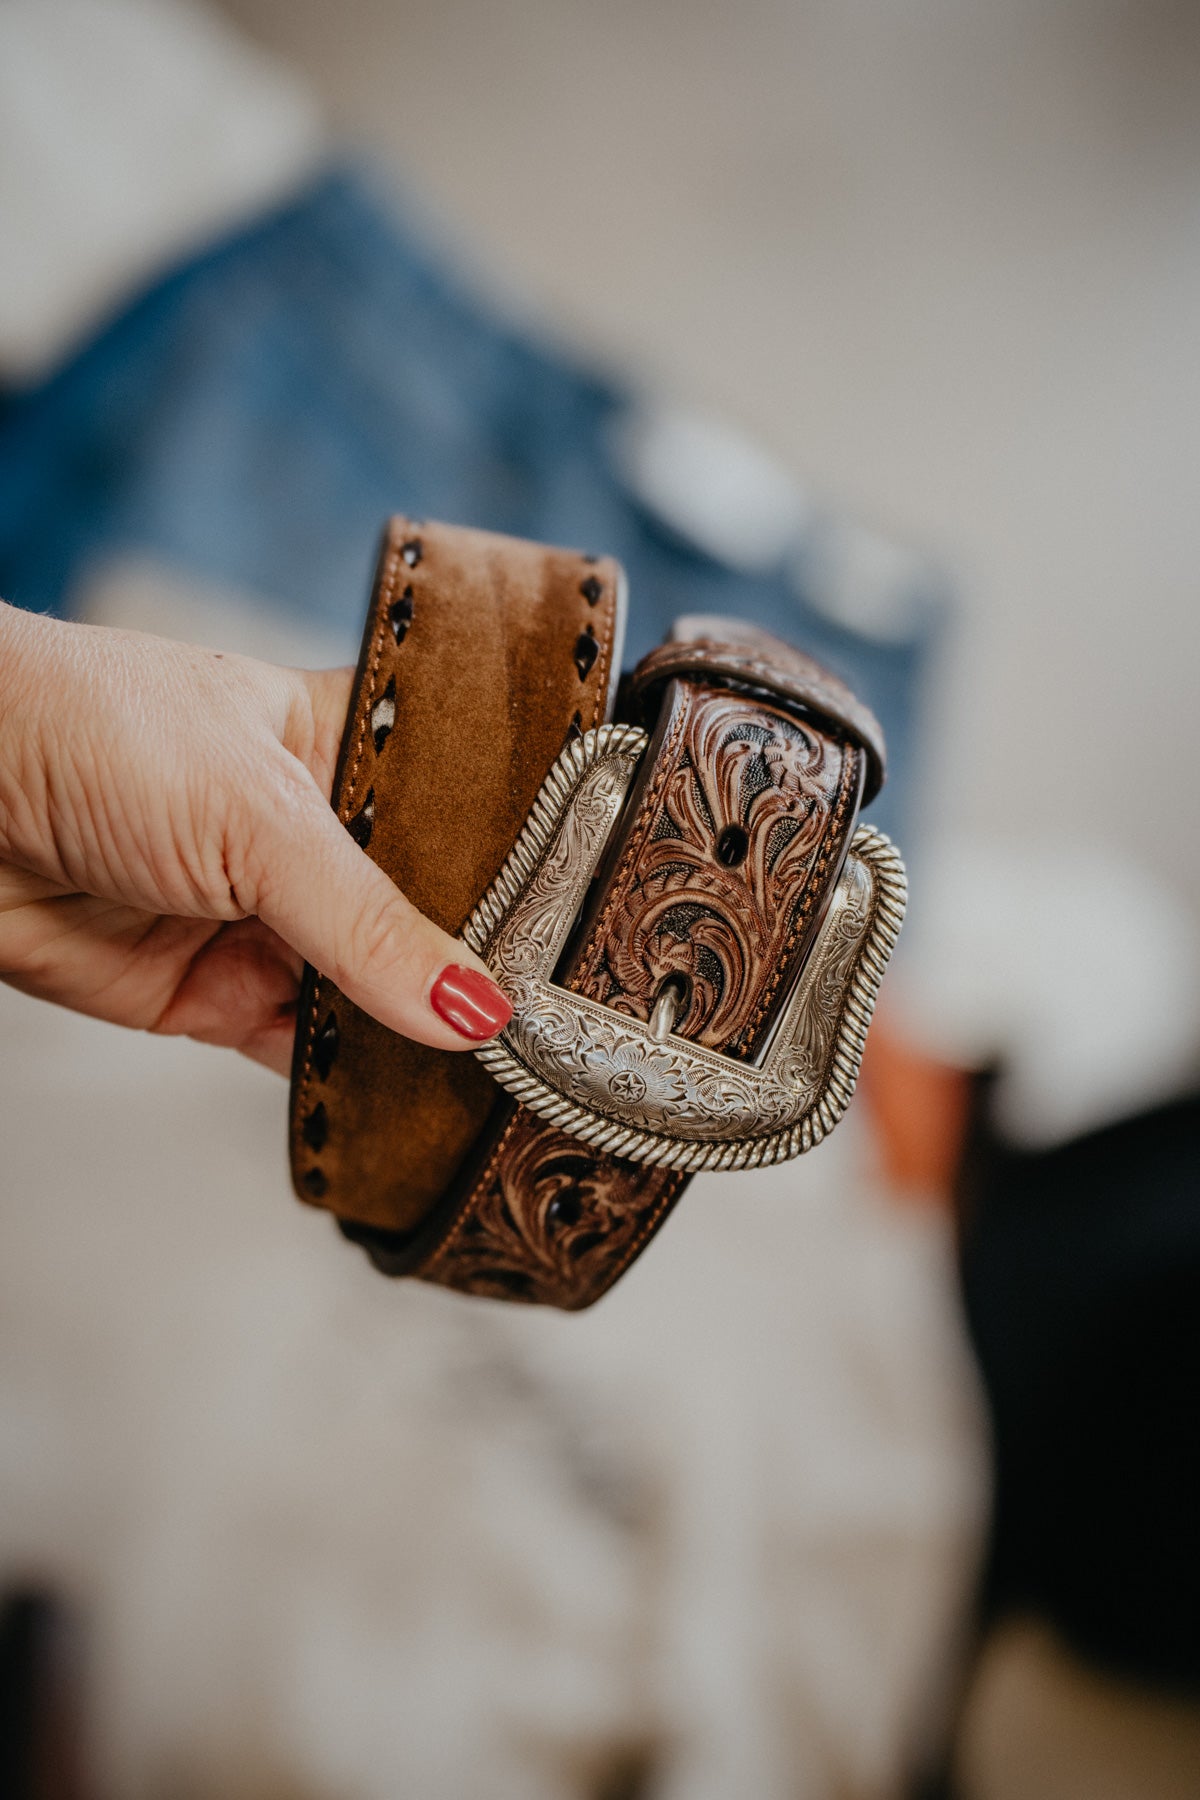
(328, 900)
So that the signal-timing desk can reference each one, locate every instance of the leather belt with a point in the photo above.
(679, 904)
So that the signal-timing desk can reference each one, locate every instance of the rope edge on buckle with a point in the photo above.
(567, 771)
(610, 1137)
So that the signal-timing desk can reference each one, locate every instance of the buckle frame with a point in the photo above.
(626, 1088)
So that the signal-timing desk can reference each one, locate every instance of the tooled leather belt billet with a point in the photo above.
(666, 877)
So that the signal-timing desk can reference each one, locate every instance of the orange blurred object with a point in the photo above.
(920, 1107)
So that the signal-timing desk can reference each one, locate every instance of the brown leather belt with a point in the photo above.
(690, 927)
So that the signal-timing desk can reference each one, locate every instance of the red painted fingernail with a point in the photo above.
(469, 1002)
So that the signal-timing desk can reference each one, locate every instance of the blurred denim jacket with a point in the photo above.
(254, 414)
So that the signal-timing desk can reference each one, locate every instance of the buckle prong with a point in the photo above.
(666, 1008)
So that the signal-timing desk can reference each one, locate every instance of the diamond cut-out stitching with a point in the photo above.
(383, 715)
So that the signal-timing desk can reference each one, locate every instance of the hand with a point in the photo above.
(169, 858)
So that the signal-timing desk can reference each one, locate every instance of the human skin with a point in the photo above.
(169, 859)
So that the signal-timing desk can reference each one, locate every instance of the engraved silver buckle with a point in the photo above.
(635, 1090)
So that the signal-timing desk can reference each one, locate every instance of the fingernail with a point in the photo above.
(470, 1002)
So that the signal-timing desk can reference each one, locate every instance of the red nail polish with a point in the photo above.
(469, 1002)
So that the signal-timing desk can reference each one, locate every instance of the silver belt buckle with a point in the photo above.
(636, 1090)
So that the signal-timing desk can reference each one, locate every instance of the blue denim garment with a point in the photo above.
(255, 415)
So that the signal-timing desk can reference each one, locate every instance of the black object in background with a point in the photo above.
(40, 1699)
(1081, 1273)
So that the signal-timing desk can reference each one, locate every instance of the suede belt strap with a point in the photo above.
(481, 657)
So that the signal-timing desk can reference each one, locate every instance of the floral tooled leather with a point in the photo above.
(727, 868)
(755, 663)
(549, 1221)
